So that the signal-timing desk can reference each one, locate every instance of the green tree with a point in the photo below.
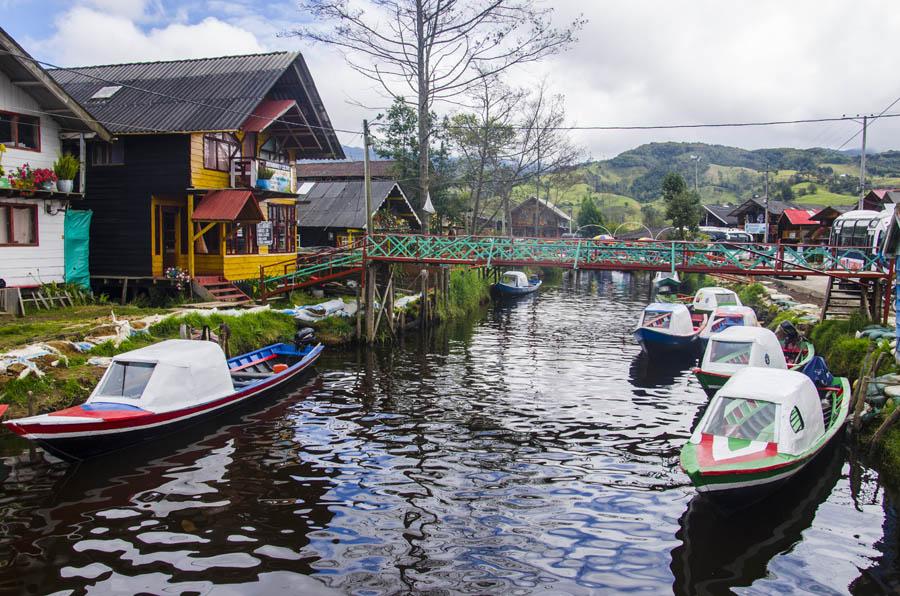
(786, 193)
(653, 217)
(589, 215)
(682, 206)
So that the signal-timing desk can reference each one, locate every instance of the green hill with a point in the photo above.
(725, 175)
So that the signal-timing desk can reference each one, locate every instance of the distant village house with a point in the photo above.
(539, 218)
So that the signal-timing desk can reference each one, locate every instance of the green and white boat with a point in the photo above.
(739, 347)
(760, 429)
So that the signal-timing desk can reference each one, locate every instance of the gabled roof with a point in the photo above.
(344, 169)
(546, 204)
(24, 72)
(228, 205)
(343, 204)
(800, 217)
(831, 212)
(775, 207)
(199, 95)
(267, 111)
(722, 213)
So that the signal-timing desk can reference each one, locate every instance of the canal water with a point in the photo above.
(531, 449)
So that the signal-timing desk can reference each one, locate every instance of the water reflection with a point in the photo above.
(529, 449)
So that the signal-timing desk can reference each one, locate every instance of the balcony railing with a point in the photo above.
(245, 170)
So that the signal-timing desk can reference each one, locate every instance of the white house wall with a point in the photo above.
(44, 263)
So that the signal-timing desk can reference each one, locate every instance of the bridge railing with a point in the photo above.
(657, 255)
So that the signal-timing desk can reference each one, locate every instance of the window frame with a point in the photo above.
(212, 140)
(288, 222)
(11, 224)
(251, 246)
(14, 128)
(109, 154)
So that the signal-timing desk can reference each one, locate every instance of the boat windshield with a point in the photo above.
(126, 379)
(657, 319)
(730, 352)
(723, 323)
(726, 299)
(739, 418)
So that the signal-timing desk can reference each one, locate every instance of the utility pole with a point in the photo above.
(862, 165)
(369, 273)
(696, 159)
(367, 176)
(766, 236)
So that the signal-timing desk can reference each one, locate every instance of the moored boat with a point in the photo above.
(666, 282)
(760, 429)
(668, 327)
(707, 300)
(152, 391)
(738, 347)
(724, 317)
(515, 283)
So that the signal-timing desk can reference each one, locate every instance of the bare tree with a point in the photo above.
(543, 145)
(436, 49)
(481, 138)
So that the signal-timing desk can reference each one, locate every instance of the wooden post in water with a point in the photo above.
(371, 280)
(358, 313)
(423, 288)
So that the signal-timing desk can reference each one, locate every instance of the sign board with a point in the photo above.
(281, 181)
(264, 233)
(755, 228)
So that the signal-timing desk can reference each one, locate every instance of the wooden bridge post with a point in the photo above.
(371, 280)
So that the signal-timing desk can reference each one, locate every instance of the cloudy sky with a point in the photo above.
(636, 62)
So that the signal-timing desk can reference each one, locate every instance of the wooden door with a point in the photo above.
(169, 235)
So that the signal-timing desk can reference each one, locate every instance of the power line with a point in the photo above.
(874, 118)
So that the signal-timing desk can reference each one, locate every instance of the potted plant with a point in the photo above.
(4, 181)
(65, 168)
(44, 178)
(22, 178)
(263, 176)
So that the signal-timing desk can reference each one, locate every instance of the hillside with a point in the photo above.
(725, 175)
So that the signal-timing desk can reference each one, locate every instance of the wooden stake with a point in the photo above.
(890, 421)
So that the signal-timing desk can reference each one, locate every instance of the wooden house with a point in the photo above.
(333, 207)
(182, 185)
(751, 217)
(825, 217)
(718, 216)
(877, 198)
(539, 218)
(796, 226)
(37, 117)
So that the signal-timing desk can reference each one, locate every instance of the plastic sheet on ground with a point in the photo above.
(31, 360)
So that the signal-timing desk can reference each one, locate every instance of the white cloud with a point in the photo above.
(649, 62)
(87, 36)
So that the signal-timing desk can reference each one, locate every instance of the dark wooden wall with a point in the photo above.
(119, 196)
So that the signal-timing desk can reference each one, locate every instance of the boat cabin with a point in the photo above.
(730, 316)
(514, 279)
(671, 318)
(778, 410)
(169, 375)
(740, 347)
(706, 300)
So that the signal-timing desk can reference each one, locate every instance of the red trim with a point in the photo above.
(705, 457)
(255, 362)
(14, 143)
(12, 228)
(80, 412)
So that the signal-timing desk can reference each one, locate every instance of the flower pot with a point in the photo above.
(48, 186)
(65, 185)
(262, 184)
(4, 182)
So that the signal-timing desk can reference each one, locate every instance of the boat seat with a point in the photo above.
(250, 375)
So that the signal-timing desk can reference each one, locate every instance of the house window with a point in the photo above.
(20, 132)
(218, 150)
(18, 225)
(241, 239)
(107, 154)
(284, 228)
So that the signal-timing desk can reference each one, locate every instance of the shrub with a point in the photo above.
(66, 166)
(248, 332)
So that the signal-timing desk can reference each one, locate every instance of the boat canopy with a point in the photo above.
(730, 316)
(170, 375)
(668, 317)
(740, 347)
(772, 406)
(516, 279)
(707, 299)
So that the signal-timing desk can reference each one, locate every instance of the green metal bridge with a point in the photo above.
(578, 254)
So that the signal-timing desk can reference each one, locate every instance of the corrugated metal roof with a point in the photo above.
(381, 168)
(228, 205)
(342, 204)
(177, 96)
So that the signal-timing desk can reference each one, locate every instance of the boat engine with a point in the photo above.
(790, 334)
(304, 337)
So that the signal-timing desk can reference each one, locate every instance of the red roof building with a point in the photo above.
(796, 226)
